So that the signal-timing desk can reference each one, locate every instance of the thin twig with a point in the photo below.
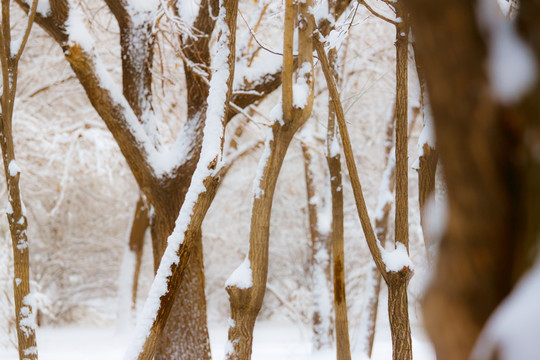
(382, 17)
(31, 16)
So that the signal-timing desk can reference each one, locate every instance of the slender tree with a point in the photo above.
(247, 285)
(396, 273)
(10, 54)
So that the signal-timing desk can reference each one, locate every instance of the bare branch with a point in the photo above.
(382, 17)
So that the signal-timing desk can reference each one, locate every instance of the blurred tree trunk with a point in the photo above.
(320, 256)
(486, 143)
(427, 161)
(136, 243)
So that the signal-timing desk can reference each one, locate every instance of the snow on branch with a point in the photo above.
(198, 198)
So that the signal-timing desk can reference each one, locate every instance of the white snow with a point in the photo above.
(241, 277)
(385, 192)
(257, 191)
(270, 64)
(301, 88)
(13, 168)
(142, 11)
(125, 285)
(397, 259)
(15, 46)
(188, 10)
(512, 330)
(334, 147)
(26, 321)
(427, 136)
(511, 63)
(77, 32)
(43, 6)
(436, 218)
(272, 340)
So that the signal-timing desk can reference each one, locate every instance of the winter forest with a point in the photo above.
(270, 179)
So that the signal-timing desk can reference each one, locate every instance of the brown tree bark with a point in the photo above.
(343, 348)
(333, 160)
(401, 342)
(246, 298)
(16, 212)
(485, 145)
(397, 282)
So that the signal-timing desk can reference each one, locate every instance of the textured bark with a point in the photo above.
(320, 261)
(492, 179)
(16, 212)
(398, 313)
(246, 303)
(397, 281)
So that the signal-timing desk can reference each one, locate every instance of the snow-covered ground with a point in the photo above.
(273, 340)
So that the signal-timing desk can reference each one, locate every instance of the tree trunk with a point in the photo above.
(16, 212)
(186, 334)
(320, 261)
(398, 313)
(397, 281)
(343, 347)
(247, 285)
(333, 160)
(491, 175)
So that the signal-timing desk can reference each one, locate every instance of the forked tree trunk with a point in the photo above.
(247, 285)
(397, 281)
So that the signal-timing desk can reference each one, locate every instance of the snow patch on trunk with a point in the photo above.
(242, 277)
